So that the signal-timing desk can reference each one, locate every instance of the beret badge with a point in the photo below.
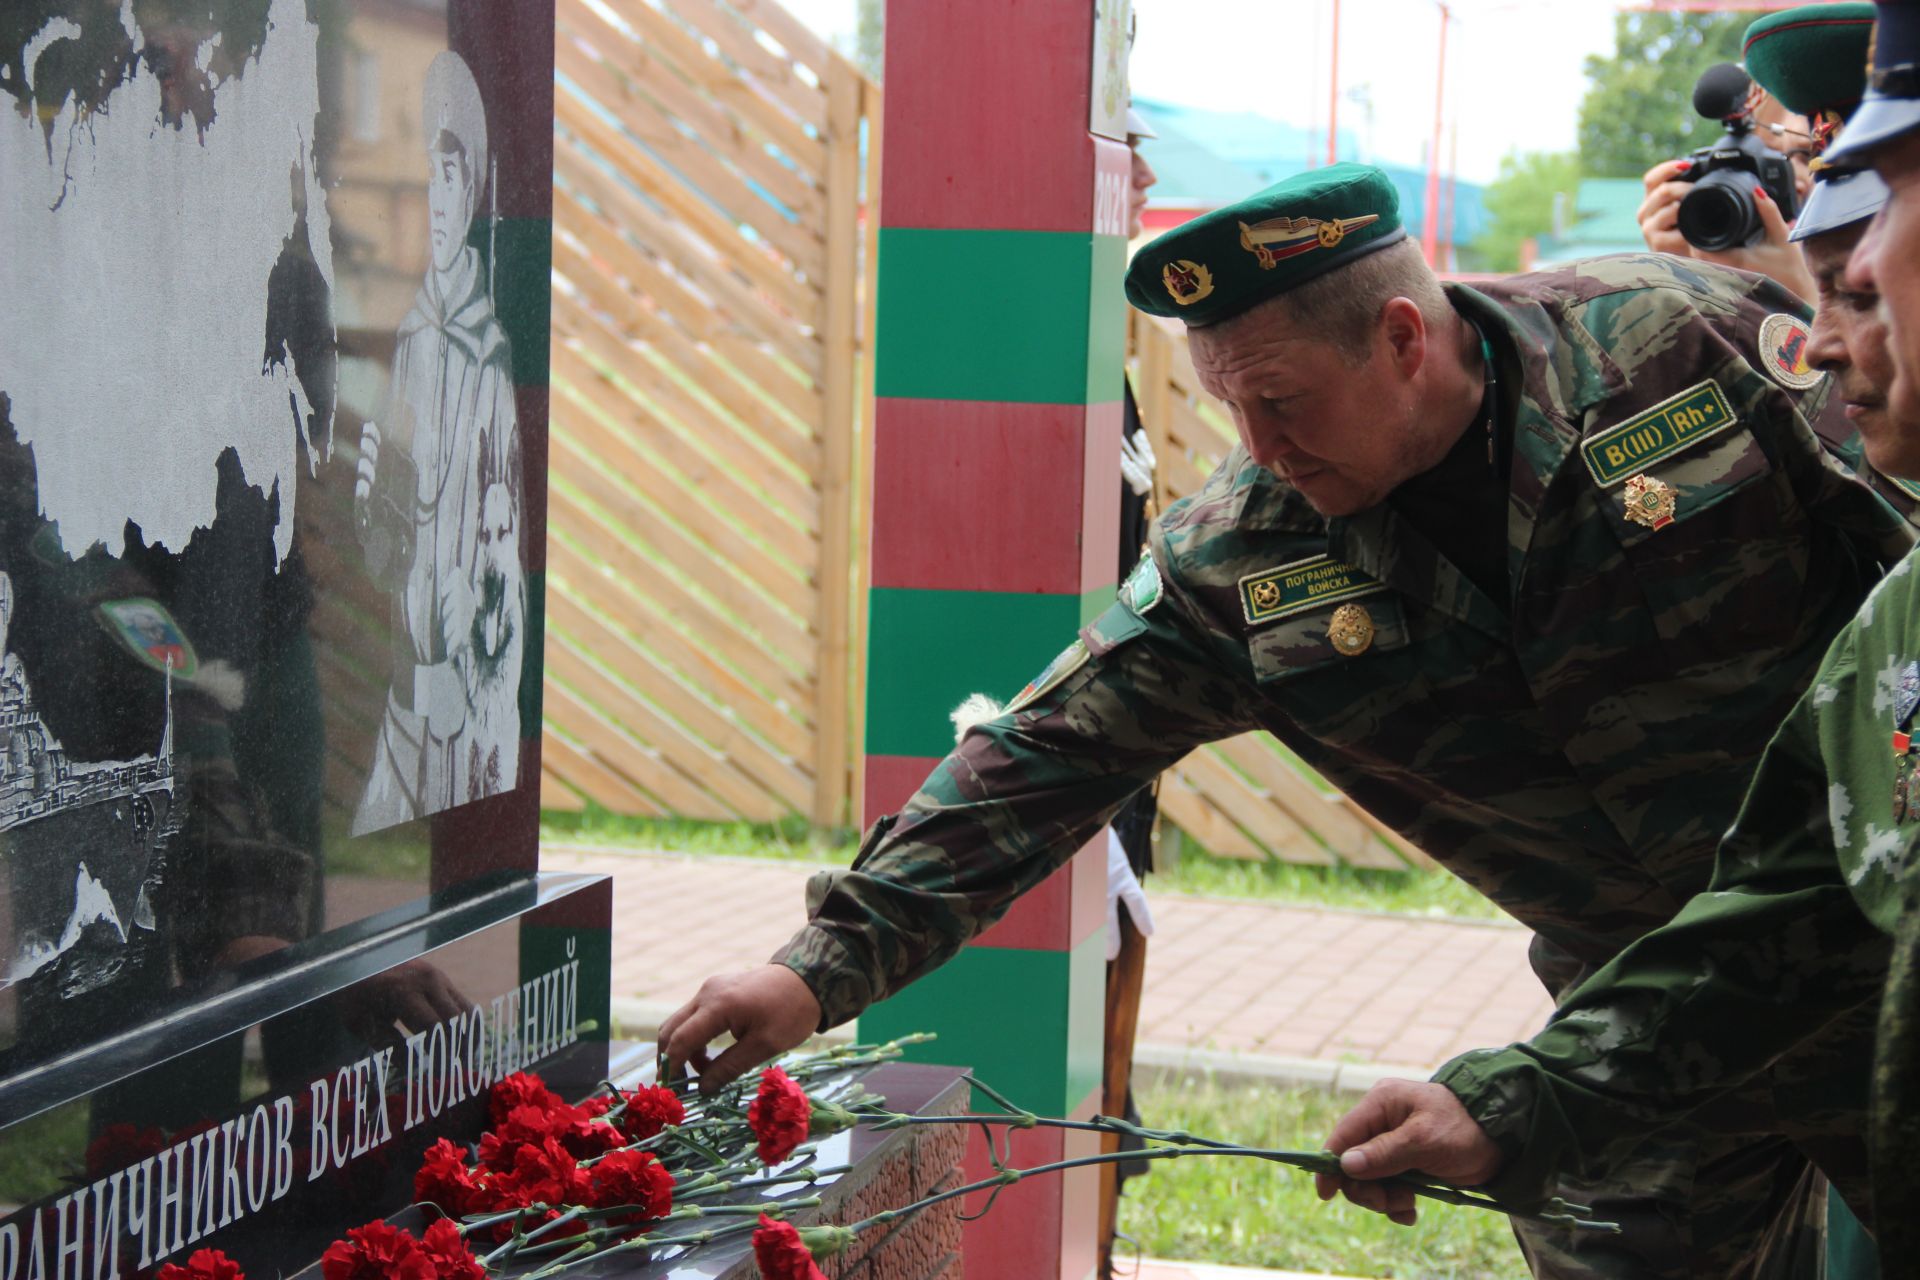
(1187, 281)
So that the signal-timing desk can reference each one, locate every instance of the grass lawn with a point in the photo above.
(1427, 893)
(1247, 1213)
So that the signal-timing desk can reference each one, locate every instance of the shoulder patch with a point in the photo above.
(1071, 659)
(1676, 423)
(1142, 589)
(1783, 351)
(150, 634)
(1302, 585)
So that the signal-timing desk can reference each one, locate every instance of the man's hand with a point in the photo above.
(768, 1010)
(1403, 1125)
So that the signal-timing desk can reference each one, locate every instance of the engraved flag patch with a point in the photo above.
(1302, 585)
(1671, 426)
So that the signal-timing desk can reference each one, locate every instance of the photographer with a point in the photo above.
(1667, 185)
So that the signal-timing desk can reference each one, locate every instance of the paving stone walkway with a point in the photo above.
(1227, 982)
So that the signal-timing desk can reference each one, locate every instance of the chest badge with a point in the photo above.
(1783, 351)
(1650, 502)
(1350, 630)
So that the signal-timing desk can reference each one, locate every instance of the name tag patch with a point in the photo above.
(1302, 585)
(1142, 589)
(1673, 425)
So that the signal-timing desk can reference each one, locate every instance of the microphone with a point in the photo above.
(1721, 91)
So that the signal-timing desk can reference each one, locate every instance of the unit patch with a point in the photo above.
(1302, 585)
(1677, 423)
(1071, 659)
(1187, 282)
(1783, 351)
(150, 634)
(1350, 630)
(1142, 589)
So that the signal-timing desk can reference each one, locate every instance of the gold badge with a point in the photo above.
(1351, 630)
(1188, 282)
(1649, 502)
(1277, 239)
(1266, 595)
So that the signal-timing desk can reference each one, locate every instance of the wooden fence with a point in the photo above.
(1247, 797)
(711, 177)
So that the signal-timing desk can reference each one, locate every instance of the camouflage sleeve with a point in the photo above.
(1018, 797)
(1772, 952)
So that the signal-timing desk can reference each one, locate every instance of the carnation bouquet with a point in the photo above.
(660, 1169)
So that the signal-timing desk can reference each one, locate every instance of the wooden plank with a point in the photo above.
(555, 794)
(1184, 806)
(676, 742)
(588, 442)
(639, 763)
(647, 399)
(655, 51)
(1324, 813)
(714, 182)
(1250, 810)
(600, 784)
(636, 583)
(725, 85)
(832, 728)
(757, 423)
(647, 440)
(766, 71)
(794, 36)
(711, 305)
(641, 537)
(719, 727)
(756, 259)
(597, 64)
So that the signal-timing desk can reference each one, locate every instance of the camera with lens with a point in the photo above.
(1720, 213)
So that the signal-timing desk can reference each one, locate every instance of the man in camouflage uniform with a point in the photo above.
(1785, 956)
(1531, 572)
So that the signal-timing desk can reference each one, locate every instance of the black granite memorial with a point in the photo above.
(272, 538)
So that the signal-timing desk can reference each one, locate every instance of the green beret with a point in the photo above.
(1226, 261)
(1812, 59)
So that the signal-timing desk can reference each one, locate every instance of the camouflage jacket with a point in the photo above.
(1574, 752)
(1778, 957)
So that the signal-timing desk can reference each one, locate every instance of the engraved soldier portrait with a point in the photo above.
(438, 499)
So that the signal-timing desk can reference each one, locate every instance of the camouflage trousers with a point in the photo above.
(1739, 1191)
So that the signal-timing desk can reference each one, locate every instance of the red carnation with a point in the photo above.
(377, 1251)
(521, 1089)
(586, 1137)
(635, 1178)
(524, 1124)
(120, 1145)
(447, 1249)
(445, 1181)
(596, 1106)
(778, 1116)
(205, 1264)
(649, 1110)
(543, 1172)
(781, 1254)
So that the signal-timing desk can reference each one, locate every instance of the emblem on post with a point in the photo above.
(1350, 630)
(1187, 282)
(1650, 502)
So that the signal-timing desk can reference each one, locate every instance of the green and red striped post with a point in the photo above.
(996, 505)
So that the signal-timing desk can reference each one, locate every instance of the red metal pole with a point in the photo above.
(1453, 190)
(1430, 223)
(1333, 92)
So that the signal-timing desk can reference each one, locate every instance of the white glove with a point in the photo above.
(1137, 462)
(1122, 885)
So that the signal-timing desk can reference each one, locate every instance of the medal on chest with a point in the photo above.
(1906, 761)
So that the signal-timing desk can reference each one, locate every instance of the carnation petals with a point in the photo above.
(779, 1116)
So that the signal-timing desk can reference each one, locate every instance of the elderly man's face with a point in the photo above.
(1340, 434)
(1887, 260)
(1850, 343)
(449, 205)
